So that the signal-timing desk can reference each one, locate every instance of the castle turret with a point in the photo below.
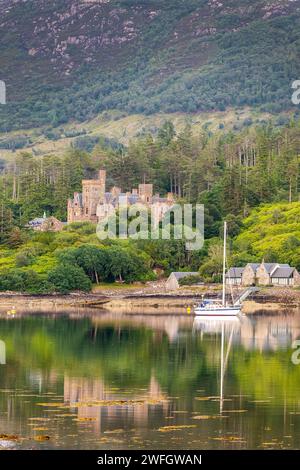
(170, 197)
(75, 212)
(93, 192)
(146, 193)
(102, 178)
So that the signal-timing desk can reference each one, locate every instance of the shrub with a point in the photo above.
(125, 265)
(190, 280)
(27, 255)
(66, 239)
(67, 278)
(16, 238)
(24, 281)
(24, 259)
(84, 228)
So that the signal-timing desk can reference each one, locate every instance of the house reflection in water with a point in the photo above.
(262, 333)
(86, 394)
(171, 325)
(269, 333)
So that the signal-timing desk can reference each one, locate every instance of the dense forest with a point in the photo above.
(231, 174)
(228, 172)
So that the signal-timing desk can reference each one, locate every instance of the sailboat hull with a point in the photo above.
(217, 312)
(213, 308)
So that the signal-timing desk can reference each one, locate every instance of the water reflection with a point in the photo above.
(264, 333)
(88, 380)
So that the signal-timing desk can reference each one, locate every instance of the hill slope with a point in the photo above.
(271, 232)
(75, 59)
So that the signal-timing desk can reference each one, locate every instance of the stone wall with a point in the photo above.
(263, 277)
(248, 277)
(296, 278)
(172, 283)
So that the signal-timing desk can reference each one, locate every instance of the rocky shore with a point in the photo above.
(149, 299)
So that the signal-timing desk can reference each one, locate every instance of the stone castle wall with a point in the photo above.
(93, 206)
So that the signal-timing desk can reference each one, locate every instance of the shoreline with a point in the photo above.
(147, 302)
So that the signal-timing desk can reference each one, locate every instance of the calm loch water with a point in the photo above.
(96, 381)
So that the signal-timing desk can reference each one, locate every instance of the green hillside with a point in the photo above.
(72, 60)
(272, 232)
(74, 258)
(117, 128)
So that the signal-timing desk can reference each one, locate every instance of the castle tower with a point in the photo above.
(93, 192)
(70, 211)
(102, 178)
(146, 193)
(75, 209)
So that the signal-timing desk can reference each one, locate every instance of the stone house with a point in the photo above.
(285, 276)
(265, 270)
(263, 274)
(46, 224)
(172, 282)
(249, 274)
(234, 276)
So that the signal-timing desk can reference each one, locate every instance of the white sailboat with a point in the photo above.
(219, 308)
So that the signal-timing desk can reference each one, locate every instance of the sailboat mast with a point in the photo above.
(224, 265)
(222, 370)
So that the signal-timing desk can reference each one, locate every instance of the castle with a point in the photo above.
(94, 204)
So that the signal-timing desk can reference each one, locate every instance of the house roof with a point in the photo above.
(254, 266)
(275, 270)
(182, 275)
(37, 221)
(161, 199)
(283, 272)
(41, 220)
(235, 273)
(269, 266)
(133, 199)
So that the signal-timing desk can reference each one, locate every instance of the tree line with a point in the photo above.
(229, 172)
